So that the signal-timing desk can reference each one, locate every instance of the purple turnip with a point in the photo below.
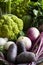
(25, 41)
(33, 33)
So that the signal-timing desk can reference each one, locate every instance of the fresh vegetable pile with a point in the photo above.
(26, 50)
(21, 32)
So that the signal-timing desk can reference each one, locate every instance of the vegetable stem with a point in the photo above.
(0, 12)
(39, 60)
(39, 48)
(36, 43)
(40, 54)
(8, 3)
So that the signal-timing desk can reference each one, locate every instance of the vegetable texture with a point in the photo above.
(3, 41)
(1, 55)
(38, 49)
(38, 22)
(26, 20)
(12, 53)
(25, 57)
(20, 47)
(10, 26)
(19, 7)
(33, 33)
(7, 45)
(25, 41)
(3, 62)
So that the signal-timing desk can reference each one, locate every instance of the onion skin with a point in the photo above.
(33, 33)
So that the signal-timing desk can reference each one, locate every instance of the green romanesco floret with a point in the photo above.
(10, 26)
